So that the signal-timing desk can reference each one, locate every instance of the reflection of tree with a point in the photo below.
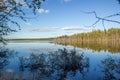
(56, 65)
(111, 68)
(97, 46)
(5, 54)
(3, 58)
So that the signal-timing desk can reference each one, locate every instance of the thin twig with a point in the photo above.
(104, 18)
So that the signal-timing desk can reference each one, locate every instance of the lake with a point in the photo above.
(45, 60)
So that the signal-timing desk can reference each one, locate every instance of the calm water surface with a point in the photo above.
(43, 60)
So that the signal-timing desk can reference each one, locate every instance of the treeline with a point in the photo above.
(112, 34)
(97, 39)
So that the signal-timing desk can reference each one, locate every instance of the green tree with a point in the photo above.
(9, 9)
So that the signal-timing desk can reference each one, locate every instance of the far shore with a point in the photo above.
(32, 39)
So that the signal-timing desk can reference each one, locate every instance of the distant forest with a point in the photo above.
(96, 39)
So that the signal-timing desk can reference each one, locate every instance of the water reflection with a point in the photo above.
(112, 47)
(59, 65)
(5, 55)
(63, 64)
(111, 68)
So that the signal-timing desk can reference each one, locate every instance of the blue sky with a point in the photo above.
(66, 17)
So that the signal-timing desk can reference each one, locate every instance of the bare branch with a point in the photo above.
(116, 14)
(104, 18)
(95, 22)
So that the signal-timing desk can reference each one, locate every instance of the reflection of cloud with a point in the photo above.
(48, 50)
(9, 70)
(41, 10)
(46, 29)
(75, 28)
(40, 50)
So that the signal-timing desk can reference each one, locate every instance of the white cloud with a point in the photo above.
(41, 10)
(6, 2)
(20, 1)
(75, 28)
(27, 23)
(67, 0)
(43, 29)
(54, 29)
